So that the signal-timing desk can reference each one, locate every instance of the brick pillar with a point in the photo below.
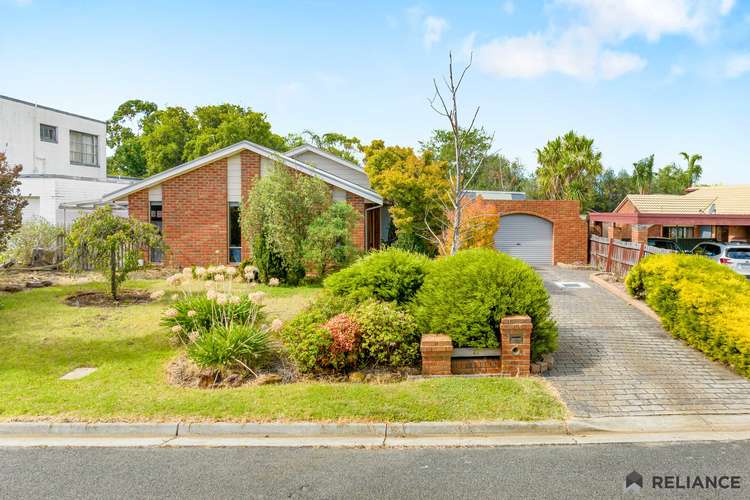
(639, 233)
(515, 346)
(436, 354)
(139, 208)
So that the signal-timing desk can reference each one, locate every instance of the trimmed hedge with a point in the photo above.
(466, 295)
(700, 301)
(390, 275)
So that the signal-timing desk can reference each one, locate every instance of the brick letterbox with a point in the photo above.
(515, 346)
(436, 354)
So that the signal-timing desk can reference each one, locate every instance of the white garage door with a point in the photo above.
(526, 237)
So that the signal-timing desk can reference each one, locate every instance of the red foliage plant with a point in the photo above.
(345, 332)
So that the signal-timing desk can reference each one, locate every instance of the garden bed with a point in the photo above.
(42, 339)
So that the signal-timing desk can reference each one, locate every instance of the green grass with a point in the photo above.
(41, 339)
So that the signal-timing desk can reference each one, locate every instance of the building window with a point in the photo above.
(48, 133)
(707, 232)
(677, 232)
(84, 149)
(235, 234)
(155, 216)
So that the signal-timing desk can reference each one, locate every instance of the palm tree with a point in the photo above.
(694, 170)
(568, 167)
(643, 174)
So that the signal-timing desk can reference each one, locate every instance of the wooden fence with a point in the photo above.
(617, 256)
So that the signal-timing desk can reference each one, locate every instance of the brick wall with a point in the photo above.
(358, 235)
(569, 231)
(195, 216)
(250, 172)
(138, 206)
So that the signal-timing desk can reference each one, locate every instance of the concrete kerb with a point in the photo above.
(604, 429)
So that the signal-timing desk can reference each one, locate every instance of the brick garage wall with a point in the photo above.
(195, 216)
(569, 231)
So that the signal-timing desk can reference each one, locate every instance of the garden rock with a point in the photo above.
(268, 378)
(11, 288)
(357, 377)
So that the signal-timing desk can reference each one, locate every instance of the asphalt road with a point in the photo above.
(570, 472)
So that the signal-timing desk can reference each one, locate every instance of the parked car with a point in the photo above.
(734, 254)
(665, 243)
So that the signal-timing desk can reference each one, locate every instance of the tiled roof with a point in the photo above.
(670, 203)
(729, 199)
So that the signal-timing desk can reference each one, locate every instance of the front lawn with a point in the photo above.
(41, 339)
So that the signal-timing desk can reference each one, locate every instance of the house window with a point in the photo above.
(84, 149)
(235, 234)
(677, 232)
(48, 133)
(707, 232)
(155, 216)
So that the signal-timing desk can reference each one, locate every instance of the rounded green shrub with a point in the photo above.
(390, 275)
(307, 342)
(389, 335)
(466, 296)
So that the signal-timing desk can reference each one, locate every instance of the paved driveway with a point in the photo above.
(613, 360)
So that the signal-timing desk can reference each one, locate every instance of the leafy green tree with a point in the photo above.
(568, 168)
(414, 185)
(123, 135)
(643, 174)
(329, 238)
(671, 179)
(694, 169)
(498, 173)
(348, 148)
(11, 201)
(219, 126)
(276, 216)
(111, 244)
(610, 189)
(166, 132)
(476, 144)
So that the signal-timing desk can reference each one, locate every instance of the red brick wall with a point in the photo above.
(250, 172)
(195, 216)
(569, 231)
(138, 206)
(358, 235)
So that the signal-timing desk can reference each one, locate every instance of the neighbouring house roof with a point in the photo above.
(305, 168)
(669, 203)
(325, 154)
(497, 195)
(728, 199)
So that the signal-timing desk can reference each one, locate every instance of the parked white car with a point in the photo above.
(736, 255)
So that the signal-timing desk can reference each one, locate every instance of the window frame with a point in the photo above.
(42, 138)
(82, 153)
(230, 247)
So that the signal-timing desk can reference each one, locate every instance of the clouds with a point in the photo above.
(588, 43)
(434, 27)
(737, 65)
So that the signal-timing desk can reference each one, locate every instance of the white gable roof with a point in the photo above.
(325, 154)
(328, 177)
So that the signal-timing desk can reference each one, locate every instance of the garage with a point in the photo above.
(526, 237)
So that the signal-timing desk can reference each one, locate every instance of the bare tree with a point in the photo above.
(461, 173)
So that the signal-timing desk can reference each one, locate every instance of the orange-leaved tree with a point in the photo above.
(479, 222)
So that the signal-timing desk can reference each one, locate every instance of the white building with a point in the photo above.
(63, 156)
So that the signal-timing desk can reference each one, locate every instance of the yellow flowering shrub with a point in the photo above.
(700, 301)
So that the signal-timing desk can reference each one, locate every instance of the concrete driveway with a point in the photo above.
(614, 360)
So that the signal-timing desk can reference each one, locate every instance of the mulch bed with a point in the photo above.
(103, 299)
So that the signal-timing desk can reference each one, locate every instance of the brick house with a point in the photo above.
(196, 204)
(721, 213)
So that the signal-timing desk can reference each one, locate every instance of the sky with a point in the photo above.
(640, 77)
